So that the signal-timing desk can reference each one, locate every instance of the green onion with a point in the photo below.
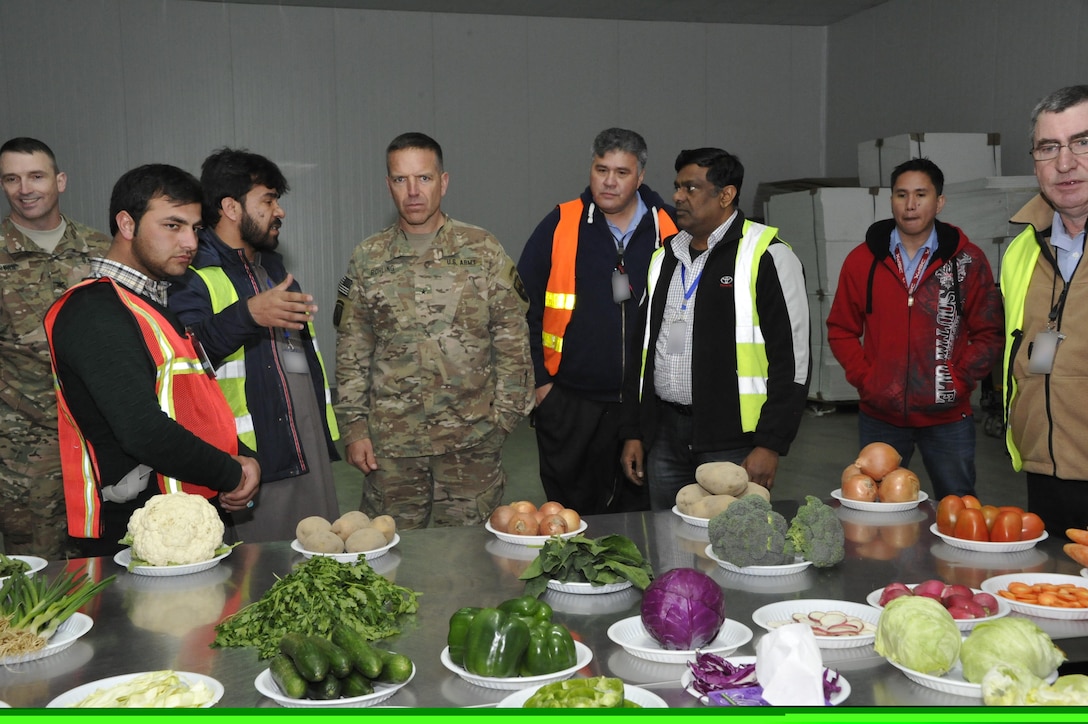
(35, 605)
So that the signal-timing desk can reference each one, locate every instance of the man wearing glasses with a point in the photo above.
(1046, 317)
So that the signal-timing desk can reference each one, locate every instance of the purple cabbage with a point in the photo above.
(728, 684)
(683, 609)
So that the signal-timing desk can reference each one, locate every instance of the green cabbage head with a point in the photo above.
(1008, 639)
(918, 633)
(1013, 685)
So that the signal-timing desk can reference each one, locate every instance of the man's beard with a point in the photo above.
(255, 237)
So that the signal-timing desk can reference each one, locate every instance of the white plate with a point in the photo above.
(878, 507)
(267, 686)
(964, 624)
(73, 696)
(532, 540)
(765, 616)
(35, 563)
(952, 682)
(783, 570)
(348, 557)
(693, 520)
(985, 546)
(638, 695)
(635, 640)
(619, 602)
(124, 557)
(584, 656)
(587, 588)
(686, 680)
(999, 583)
(66, 635)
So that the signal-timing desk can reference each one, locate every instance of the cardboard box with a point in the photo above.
(961, 156)
(824, 225)
(982, 207)
(828, 382)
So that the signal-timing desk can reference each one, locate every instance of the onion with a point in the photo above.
(500, 518)
(859, 487)
(877, 459)
(850, 471)
(899, 486)
(523, 524)
(552, 525)
(571, 518)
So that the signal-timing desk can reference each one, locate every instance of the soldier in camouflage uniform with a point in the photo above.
(42, 253)
(432, 354)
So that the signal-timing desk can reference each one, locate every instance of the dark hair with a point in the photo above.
(722, 168)
(135, 189)
(27, 145)
(414, 139)
(925, 166)
(231, 173)
(1057, 102)
(620, 139)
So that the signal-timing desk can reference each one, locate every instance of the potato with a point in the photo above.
(324, 541)
(386, 525)
(688, 495)
(711, 505)
(757, 489)
(311, 525)
(350, 522)
(722, 478)
(365, 539)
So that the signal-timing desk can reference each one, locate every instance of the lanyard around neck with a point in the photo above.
(919, 270)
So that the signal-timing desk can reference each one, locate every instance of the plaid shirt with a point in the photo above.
(136, 281)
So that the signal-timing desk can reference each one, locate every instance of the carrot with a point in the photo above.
(1077, 551)
(1077, 535)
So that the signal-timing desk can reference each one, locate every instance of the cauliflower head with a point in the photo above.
(174, 529)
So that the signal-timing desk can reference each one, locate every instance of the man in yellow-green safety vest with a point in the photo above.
(255, 324)
(725, 353)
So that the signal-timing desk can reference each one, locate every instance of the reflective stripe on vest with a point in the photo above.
(559, 296)
(179, 376)
(1017, 268)
(751, 351)
(231, 374)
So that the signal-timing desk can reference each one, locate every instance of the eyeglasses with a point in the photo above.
(1050, 151)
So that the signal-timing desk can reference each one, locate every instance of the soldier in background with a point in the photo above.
(432, 354)
(42, 253)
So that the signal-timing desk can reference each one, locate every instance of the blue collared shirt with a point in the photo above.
(911, 265)
(623, 236)
(1070, 248)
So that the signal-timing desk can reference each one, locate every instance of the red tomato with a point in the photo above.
(970, 525)
(1032, 527)
(948, 510)
(1006, 527)
(1013, 508)
(970, 501)
(989, 513)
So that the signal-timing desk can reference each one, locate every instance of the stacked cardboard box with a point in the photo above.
(961, 156)
(982, 208)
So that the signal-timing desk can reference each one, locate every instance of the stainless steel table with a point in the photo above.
(143, 623)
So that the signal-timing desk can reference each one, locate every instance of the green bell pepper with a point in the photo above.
(527, 607)
(459, 623)
(591, 693)
(551, 648)
(495, 643)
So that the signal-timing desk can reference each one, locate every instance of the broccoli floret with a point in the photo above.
(749, 533)
(816, 533)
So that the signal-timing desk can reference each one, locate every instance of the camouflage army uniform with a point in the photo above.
(32, 517)
(432, 364)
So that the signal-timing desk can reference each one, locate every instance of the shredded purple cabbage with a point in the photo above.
(726, 684)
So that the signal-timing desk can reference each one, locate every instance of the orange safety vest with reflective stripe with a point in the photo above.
(184, 391)
(559, 295)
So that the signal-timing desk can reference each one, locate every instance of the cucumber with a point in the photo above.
(355, 684)
(364, 657)
(287, 677)
(311, 662)
(396, 668)
(327, 688)
(339, 661)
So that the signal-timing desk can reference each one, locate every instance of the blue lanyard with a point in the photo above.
(688, 291)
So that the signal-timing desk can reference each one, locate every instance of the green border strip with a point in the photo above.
(785, 715)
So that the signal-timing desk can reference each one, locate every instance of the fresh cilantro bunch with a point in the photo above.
(600, 561)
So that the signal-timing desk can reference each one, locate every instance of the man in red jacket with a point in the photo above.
(916, 323)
